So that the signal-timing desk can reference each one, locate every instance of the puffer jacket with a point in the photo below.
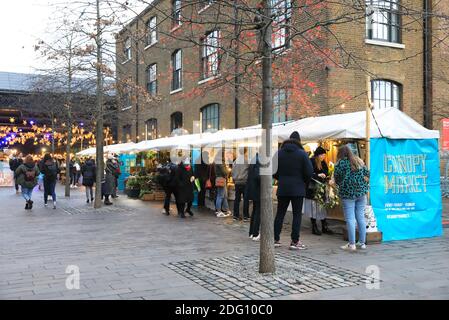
(240, 171)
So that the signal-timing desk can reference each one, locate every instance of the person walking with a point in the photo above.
(167, 179)
(27, 174)
(352, 179)
(14, 163)
(203, 172)
(50, 170)
(253, 194)
(240, 177)
(221, 179)
(312, 209)
(109, 184)
(89, 172)
(117, 175)
(184, 186)
(294, 171)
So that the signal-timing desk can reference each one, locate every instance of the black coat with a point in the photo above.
(88, 170)
(111, 172)
(316, 172)
(50, 170)
(184, 192)
(294, 169)
(253, 183)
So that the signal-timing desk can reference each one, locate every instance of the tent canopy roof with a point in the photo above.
(389, 123)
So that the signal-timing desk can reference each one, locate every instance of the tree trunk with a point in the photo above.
(267, 256)
(99, 122)
(52, 134)
(68, 149)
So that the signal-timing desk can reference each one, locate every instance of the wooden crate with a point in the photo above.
(148, 197)
(159, 195)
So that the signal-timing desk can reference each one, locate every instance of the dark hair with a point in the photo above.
(345, 153)
(29, 159)
(47, 157)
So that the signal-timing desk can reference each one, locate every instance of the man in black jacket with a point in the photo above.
(167, 179)
(293, 173)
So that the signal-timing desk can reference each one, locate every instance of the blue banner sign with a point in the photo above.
(126, 162)
(405, 188)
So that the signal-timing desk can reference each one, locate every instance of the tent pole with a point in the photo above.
(368, 127)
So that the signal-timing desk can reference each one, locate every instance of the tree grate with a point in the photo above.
(237, 277)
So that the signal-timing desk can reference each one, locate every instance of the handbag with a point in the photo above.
(220, 182)
(208, 184)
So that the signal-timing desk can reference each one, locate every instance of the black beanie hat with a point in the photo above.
(295, 136)
(319, 151)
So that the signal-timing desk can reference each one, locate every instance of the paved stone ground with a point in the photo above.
(125, 252)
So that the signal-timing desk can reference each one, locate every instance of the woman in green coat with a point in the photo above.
(27, 174)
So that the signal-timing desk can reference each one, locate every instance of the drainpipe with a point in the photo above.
(427, 74)
(137, 80)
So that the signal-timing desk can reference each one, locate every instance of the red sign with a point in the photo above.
(445, 141)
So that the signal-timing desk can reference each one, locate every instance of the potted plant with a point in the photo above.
(132, 187)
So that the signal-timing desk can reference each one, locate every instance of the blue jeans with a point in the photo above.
(49, 190)
(222, 199)
(354, 210)
(26, 193)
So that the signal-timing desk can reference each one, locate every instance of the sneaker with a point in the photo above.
(27, 205)
(277, 244)
(251, 236)
(30, 204)
(221, 215)
(297, 246)
(54, 204)
(235, 219)
(46, 204)
(87, 201)
(256, 238)
(348, 247)
(360, 245)
(246, 220)
(227, 213)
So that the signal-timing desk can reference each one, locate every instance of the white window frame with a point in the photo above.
(152, 31)
(176, 62)
(210, 55)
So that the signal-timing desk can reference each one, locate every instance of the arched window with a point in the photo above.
(386, 94)
(176, 62)
(175, 121)
(152, 79)
(383, 20)
(210, 117)
(151, 129)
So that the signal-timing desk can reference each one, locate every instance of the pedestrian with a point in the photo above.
(50, 170)
(253, 194)
(109, 184)
(14, 163)
(167, 179)
(27, 174)
(116, 176)
(294, 171)
(203, 174)
(240, 177)
(221, 179)
(77, 173)
(184, 186)
(89, 172)
(72, 171)
(352, 179)
(312, 209)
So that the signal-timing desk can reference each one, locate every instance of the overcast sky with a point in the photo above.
(22, 22)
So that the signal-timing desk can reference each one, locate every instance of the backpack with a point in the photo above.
(51, 171)
(30, 174)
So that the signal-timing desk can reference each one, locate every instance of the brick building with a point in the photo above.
(167, 68)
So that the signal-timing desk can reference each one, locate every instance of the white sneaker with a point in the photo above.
(221, 215)
(256, 238)
(228, 213)
(54, 204)
(46, 204)
(349, 247)
(360, 245)
(251, 236)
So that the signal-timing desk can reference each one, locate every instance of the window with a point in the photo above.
(152, 79)
(281, 11)
(126, 133)
(176, 13)
(176, 61)
(210, 118)
(151, 129)
(127, 50)
(280, 105)
(127, 102)
(383, 20)
(385, 94)
(210, 59)
(175, 121)
(152, 31)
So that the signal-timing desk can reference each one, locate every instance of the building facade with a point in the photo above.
(167, 65)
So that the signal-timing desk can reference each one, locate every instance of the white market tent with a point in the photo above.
(389, 123)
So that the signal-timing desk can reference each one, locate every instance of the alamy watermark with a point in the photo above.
(73, 280)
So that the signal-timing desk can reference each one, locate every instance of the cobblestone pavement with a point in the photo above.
(132, 251)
